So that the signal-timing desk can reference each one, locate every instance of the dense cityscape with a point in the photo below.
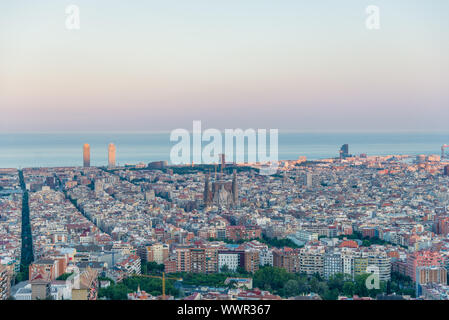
(224, 159)
(315, 230)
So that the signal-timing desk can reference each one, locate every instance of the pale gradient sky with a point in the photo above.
(287, 64)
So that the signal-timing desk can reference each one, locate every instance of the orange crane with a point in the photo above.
(163, 277)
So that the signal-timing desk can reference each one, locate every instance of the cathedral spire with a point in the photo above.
(235, 192)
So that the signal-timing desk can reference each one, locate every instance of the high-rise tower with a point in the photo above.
(111, 155)
(344, 151)
(86, 155)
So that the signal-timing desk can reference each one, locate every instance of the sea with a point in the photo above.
(22, 150)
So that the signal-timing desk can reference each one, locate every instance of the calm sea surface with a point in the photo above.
(46, 150)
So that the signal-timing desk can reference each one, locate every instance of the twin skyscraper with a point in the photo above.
(111, 155)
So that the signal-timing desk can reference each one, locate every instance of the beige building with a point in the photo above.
(86, 155)
(111, 155)
(158, 253)
(425, 275)
(40, 289)
(312, 260)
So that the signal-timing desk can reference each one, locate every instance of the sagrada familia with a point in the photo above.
(222, 193)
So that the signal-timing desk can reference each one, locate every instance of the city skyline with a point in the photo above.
(50, 150)
(275, 65)
(235, 154)
(314, 222)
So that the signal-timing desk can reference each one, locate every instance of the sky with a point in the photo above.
(286, 64)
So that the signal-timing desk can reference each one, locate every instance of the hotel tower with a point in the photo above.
(86, 155)
(111, 155)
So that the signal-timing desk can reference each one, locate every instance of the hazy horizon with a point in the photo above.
(189, 129)
(49, 150)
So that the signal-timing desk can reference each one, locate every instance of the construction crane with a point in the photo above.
(443, 147)
(163, 277)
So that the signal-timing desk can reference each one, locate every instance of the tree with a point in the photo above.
(336, 281)
(233, 284)
(330, 295)
(143, 268)
(314, 284)
(360, 285)
(291, 288)
(348, 288)
(303, 285)
(322, 288)
(224, 268)
(273, 277)
(241, 270)
(154, 266)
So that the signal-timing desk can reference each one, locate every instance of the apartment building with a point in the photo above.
(333, 264)
(266, 257)
(48, 268)
(360, 264)
(198, 260)
(232, 259)
(183, 262)
(383, 263)
(157, 253)
(312, 260)
(252, 261)
(424, 258)
(287, 258)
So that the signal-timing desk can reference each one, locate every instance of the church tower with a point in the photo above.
(235, 190)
